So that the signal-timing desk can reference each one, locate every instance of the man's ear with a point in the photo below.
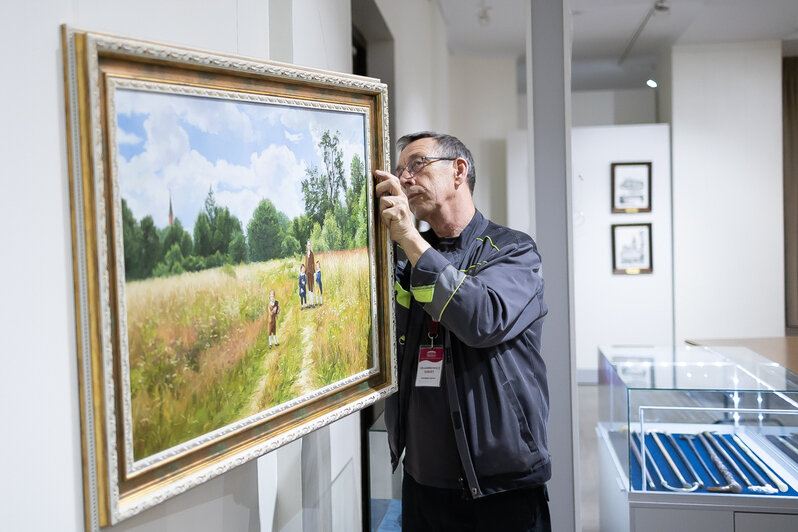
(461, 172)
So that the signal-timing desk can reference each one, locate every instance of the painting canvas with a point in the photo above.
(226, 313)
(241, 295)
(631, 187)
(631, 249)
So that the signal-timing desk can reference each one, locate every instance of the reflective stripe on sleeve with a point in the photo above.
(423, 294)
(448, 282)
(402, 295)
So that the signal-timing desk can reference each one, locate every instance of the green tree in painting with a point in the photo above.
(175, 234)
(238, 249)
(331, 236)
(356, 204)
(290, 247)
(321, 188)
(362, 225)
(150, 246)
(225, 227)
(333, 157)
(202, 235)
(131, 239)
(300, 229)
(210, 207)
(264, 233)
(171, 264)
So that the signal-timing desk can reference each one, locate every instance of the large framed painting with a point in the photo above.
(233, 285)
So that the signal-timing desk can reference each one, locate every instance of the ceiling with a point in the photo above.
(602, 30)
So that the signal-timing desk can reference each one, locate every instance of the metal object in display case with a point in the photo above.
(741, 406)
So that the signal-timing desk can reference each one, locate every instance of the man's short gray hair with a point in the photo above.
(448, 146)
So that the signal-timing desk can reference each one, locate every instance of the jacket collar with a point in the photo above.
(460, 242)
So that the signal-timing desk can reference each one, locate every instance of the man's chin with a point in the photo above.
(420, 213)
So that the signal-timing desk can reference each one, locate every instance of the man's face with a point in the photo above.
(430, 187)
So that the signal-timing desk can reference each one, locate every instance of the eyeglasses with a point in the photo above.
(419, 164)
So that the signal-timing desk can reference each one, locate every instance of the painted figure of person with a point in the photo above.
(310, 270)
(303, 284)
(274, 309)
(319, 290)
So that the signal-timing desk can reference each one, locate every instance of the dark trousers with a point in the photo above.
(425, 508)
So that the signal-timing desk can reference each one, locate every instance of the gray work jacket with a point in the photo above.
(490, 307)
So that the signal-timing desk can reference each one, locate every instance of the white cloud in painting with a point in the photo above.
(124, 137)
(280, 175)
(213, 119)
(293, 137)
(168, 165)
(293, 119)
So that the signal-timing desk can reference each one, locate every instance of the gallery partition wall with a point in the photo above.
(790, 102)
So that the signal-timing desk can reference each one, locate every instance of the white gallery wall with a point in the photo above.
(727, 190)
(606, 107)
(483, 111)
(609, 308)
(421, 90)
(41, 488)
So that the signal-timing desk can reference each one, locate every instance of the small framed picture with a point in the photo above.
(631, 187)
(631, 249)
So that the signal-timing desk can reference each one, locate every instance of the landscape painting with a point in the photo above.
(245, 233)
(234, 289)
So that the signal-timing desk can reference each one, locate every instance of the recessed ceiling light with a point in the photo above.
(651, 83)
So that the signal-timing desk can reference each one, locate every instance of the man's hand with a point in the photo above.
(395, 214)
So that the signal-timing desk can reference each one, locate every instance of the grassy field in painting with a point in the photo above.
(199, 348)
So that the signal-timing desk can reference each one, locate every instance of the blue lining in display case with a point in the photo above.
(654, 453)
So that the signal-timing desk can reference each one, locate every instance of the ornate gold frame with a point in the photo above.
(114, 488)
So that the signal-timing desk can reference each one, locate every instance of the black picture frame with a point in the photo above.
(631, 249)
(630, 187)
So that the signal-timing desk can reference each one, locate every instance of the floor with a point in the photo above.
(588, 457)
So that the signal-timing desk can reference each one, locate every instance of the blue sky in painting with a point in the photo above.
(244, 151)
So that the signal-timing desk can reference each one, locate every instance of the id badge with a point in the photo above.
(430, 366)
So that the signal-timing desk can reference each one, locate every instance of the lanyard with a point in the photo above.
(432, 329)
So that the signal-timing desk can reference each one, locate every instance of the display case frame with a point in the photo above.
(739, 399)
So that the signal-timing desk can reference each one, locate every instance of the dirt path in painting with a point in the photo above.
(305, 382)
(274, 351)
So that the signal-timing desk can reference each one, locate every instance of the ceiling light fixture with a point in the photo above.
(483, 14)
(651, 83)
(660, 6)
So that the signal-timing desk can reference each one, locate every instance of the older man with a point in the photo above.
(472, 406)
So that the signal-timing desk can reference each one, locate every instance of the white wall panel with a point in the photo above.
(41, 487)
(482, 113)
(421, 62)
(619, 309)
(727, 190)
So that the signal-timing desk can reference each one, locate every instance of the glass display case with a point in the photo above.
(714, 426)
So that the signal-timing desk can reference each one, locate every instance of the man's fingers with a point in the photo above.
(387, 184)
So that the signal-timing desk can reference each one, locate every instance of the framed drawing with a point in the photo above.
(233, 285)
(631, 249)
(631, 187)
